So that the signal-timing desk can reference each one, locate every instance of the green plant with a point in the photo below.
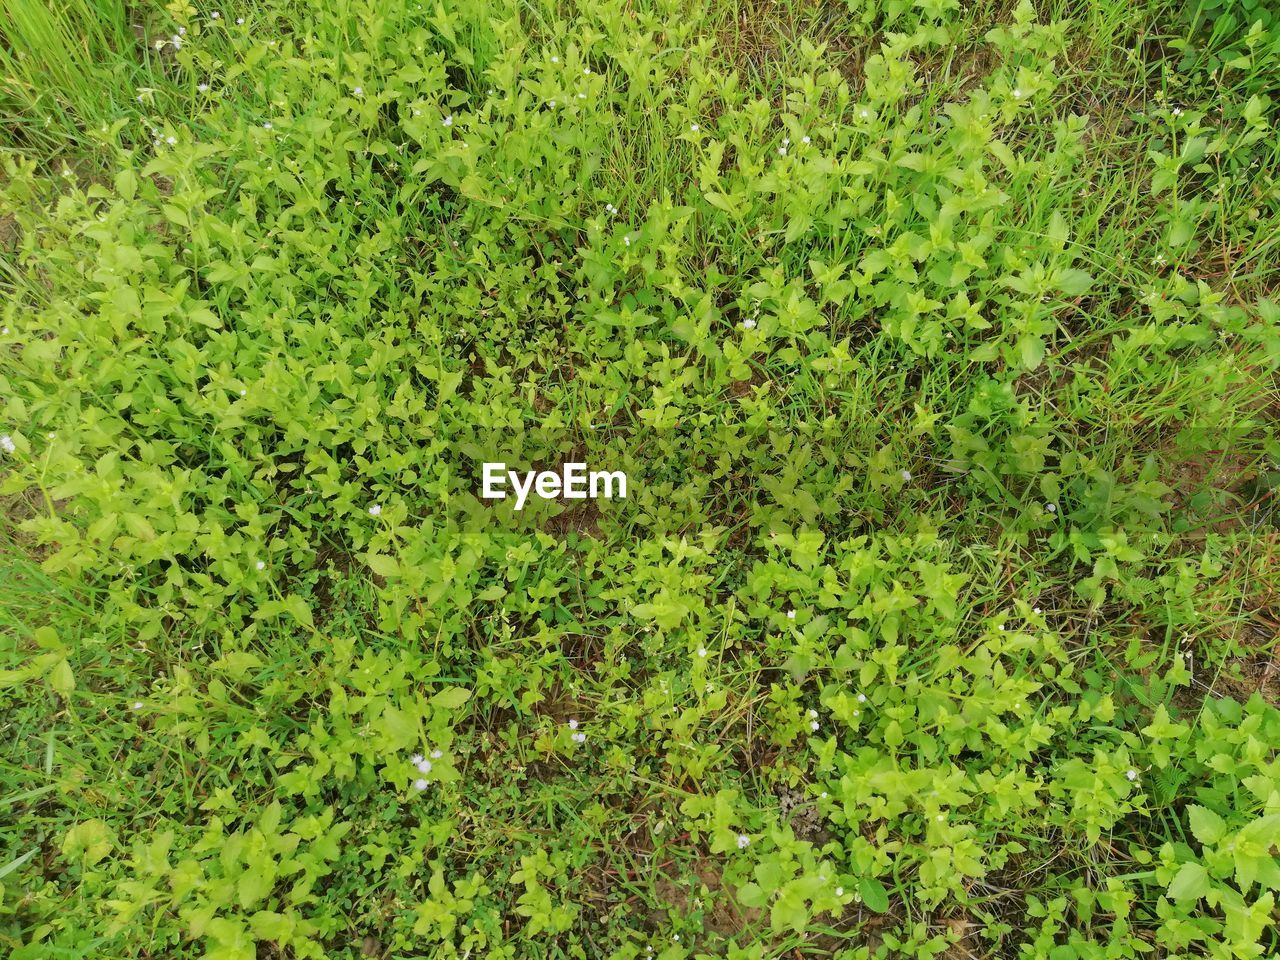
(939, 348)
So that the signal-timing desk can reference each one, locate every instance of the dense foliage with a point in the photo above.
(939, 619)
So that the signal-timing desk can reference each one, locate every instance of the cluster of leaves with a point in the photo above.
(945, 406)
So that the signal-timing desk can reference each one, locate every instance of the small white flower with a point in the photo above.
(805, 139)
(578, 737)
(582, 96)
(573, 724)
(243, 392)
(1177, 111)
(862, 698)
(448, 121)
(551, 103)
(748, 324)
(419, 785)
(782, 151)
(437, 754)
(839, 891)
(490, 91)
(813, 725)
(171, 140)
(216, 15)
(1017, 94)
(417, 113)
(375, 510)
(693, 127)
(786, 141)
(176, 40)
(586, 71)
(864, 113)
(261, 565)
(4, 331)
(941, 818)
(906, 475)
(7, 444)
(1035, 609)
(1131, 775)
(240, 20)
(626, 240)
(202, 87)
(1051, 507)
(358, 91)
(743, 841)
(137, 705)
(702, 652)
(182, 31)
(416, 759)
(424, 766)
(267, 125)
(813, 714)
(791, 614)
(555, 59)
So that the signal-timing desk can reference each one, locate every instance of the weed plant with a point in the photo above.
(940, 342)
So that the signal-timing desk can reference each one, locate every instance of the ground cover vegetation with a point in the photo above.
(939, 619)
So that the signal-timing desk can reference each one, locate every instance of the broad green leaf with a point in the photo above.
(451, 698)
(1074, 282)
(1206, 825)
(62, 679)
(383, 565)
(400, 728)
(88, 841)
(1030, 350)
(1190, 883)
(874, 895)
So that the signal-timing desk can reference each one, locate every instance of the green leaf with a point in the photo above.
(89, 841)
(298, 607)
(724, 202)
(400, 727)
(1057, 232)
(383, 565)
(127, 183)
(1074, 282)
(1030, 350)
(451, 698)
(231, 941)
(789, 911)
(1205, 824)
(268, 925)
(254, 884)
(1191, 883)
(62, 679)
(139, 526)
(175, 214)
(874, 895)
